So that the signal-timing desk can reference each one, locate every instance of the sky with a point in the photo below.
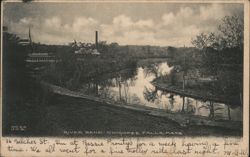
(161, 24)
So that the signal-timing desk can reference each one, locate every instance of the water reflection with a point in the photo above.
(132, 86)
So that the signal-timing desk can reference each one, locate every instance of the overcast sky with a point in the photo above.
(161, 24)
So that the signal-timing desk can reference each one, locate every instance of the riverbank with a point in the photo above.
(77, 114)
(182, 119)
(195, 93)
(69, 114)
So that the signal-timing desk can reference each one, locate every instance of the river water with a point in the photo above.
(133, 86)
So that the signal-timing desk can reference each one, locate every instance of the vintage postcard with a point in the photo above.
(125, 78)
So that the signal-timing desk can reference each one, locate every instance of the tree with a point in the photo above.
(22, 95)
(203, 41)
(152, 69)
(230, 35)
(231, 29)
(223, 56)
(73, 44)
(216, 46)
(15, 72)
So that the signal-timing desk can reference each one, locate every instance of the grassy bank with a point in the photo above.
(67, 114)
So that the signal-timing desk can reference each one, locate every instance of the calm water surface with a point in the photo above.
(132, 86)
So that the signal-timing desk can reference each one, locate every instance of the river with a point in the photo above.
(133, 86)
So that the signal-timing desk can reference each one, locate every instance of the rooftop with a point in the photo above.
(38, 54)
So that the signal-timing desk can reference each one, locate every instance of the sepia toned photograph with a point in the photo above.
(122, 69)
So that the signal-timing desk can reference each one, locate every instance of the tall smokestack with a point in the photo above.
(96, 39)
(30, 36)
(31, 43)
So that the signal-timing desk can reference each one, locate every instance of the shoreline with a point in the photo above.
(193, 93)
(184, 120)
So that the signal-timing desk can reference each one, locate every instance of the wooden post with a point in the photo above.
(183, 83)
(228, 112)
(183, 103)
(184, 73)
(125, 92)
(120, 92)
(96, 88)
(211, 115)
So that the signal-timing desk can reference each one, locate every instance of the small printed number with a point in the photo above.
(18, 127)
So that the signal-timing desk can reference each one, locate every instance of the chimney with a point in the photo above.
(96, 40)
(31, 43)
